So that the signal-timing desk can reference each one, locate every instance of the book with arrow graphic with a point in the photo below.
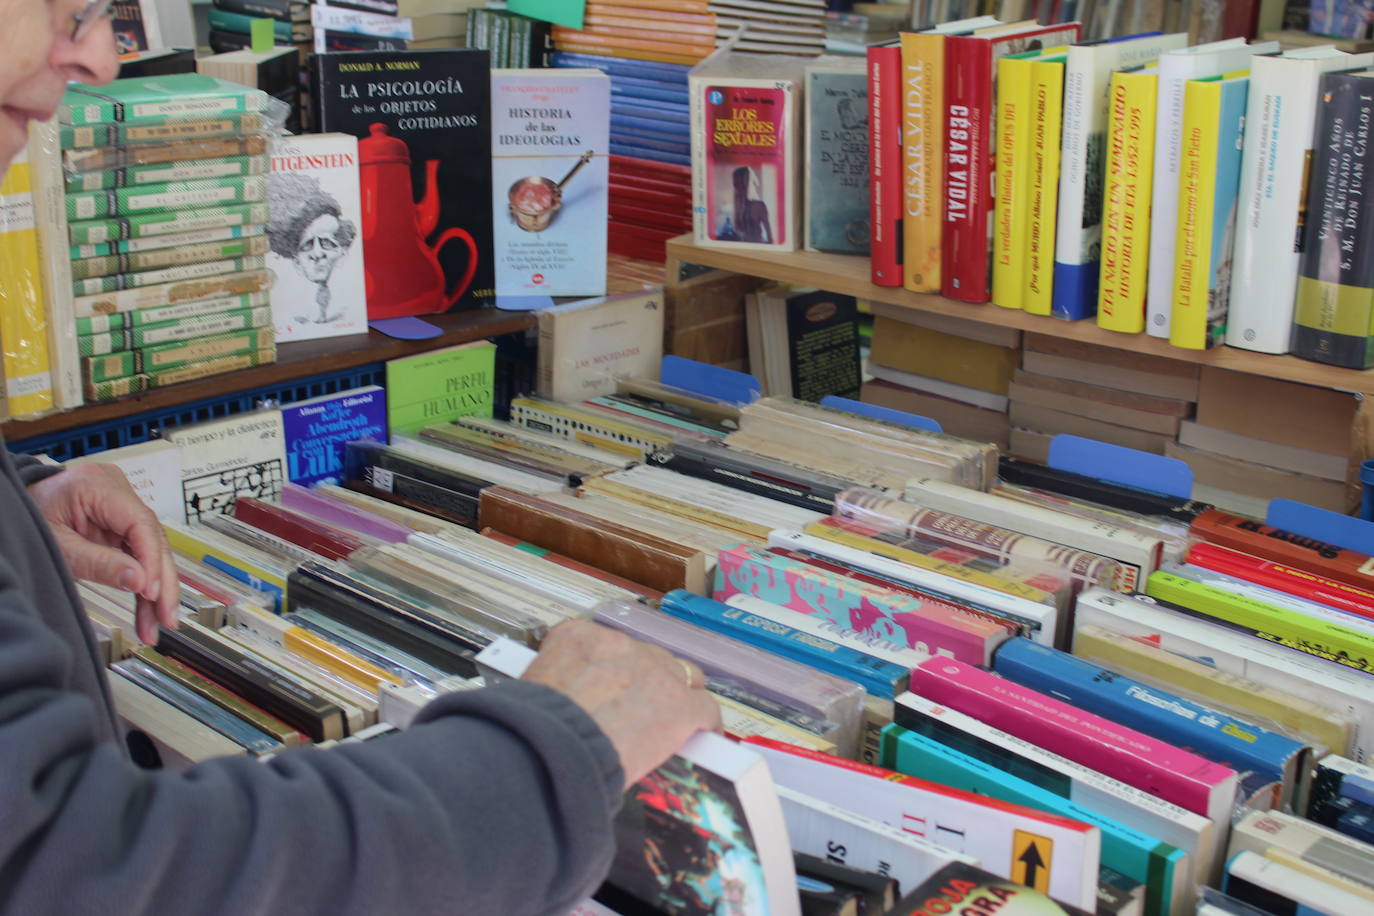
(958, 885)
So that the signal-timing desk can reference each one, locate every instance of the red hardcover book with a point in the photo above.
(646, 195)
(885, 163)
(1249, 536)
(328, 542)
(1286, 579)
(569, 563)
(648, 168)
(627, 212)
(970, 151)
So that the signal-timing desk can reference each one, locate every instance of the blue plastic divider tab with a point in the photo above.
(712, 381)
(1118, 464)
(1323, 524)
(882, 413)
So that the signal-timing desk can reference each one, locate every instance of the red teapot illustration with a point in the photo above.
(402, 268)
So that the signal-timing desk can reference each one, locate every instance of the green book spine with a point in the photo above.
(157, 99)
(201, 308)
(205, 368)
(117, 282)
(171, 222)
(133, 338)
(115, 388)
(160, 258)
(161, 242)
(99, 135)
(175, 195)
(99, 324)
(164, 172)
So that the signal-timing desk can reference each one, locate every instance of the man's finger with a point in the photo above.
(105, 565)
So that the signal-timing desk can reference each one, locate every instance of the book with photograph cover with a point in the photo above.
(423, 119)
(316, 252)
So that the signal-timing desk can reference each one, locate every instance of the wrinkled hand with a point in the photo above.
(109, 536)
(645, 700)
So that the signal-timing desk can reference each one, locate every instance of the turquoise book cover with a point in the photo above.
(837, 157)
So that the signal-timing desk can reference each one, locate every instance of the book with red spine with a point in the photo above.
(970, 150)
(1286, 579)
(332, 543)
(885, 163)
(1289, 548)
(998, 833)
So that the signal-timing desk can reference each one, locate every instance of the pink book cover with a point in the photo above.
(925, 626)
(747, 196)
(1160, 769)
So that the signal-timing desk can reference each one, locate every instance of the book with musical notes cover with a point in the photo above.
(221, 460)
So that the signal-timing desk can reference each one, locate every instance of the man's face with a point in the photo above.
(319, 249)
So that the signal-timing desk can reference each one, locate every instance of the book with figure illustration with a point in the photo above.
(314, 236)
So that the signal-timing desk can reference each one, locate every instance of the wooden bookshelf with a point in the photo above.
(849, 274)
(294, 361)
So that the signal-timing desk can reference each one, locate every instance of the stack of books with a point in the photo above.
(513, 40)
(160, 275)
(667, 31)
(231, 23)
(780, 27)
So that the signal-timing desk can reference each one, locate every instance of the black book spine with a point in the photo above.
(1078, 486)
(744, 481)
(279, 10)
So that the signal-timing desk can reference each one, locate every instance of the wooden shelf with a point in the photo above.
(849, 274)
(294, 360)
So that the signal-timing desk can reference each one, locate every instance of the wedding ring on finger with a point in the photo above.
(694, 675)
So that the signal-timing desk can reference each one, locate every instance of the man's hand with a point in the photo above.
(646, 701)
(109, 536)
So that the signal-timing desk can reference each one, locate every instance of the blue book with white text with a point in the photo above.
(317, 429)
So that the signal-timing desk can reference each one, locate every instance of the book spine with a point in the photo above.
(1014, 153)
(885, 184)
(1284, 578)
(162, 173)
(100, 135)
(45, 160)
(1047, 111)
(165, 275)
(162, 223)
(1197, 180)
(1335, 295)
(968, 125)
(136, 337)
(1175, 775)
(114, 388)
(923, 158)
(160, 243)
(87, 106)
(230, 21)
(1075, 246)
(1310, 554)
(28, 383)
(281, 10)
(1333, 642)
(119, 263)
(1126, 203)
(143, 297)
(1237, 743)
(176, 195)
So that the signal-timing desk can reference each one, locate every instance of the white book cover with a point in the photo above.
(1280, 118)
(1175, 69)
(240, 455)
(1083, 154)
(1289, 889)
(1258, 831)
(358, 22)
(550, 168)
(584, 347)
(1312, 679)
(992, 831)
(154, 471)
(832, 832)
(315, 238)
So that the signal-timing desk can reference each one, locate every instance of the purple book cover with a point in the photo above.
(317, 429)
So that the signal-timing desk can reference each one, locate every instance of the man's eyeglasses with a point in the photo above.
(91, 13)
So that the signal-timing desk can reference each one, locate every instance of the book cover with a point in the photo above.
(1078, 233)
(1176, 68)
(1209, 186)
(424, 170)
(970, 151)
(440, 385)
(23, 321)
(885, 178)
(1013, 169)
(1282, 113)
(315, 249)
(823, 345)
(1125, 251)
(745, 116)
(316, 430)
(244, 454)
(960, 887)
(585, 346)
(154, 470)
(923, 159)
(550, 173)
(1333, 317)
(837, 156)
(1042, 180)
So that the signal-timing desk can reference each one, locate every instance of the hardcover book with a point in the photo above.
(440, 385)
(316, 430)
(585, 346)
(745, 115)
(424, 128)
(316, 252)
(550, 181)
(837, 156)
(1124, 250)
(885, 180)
(154, 100)
(243, 454)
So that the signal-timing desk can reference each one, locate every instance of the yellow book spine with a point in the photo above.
(1047, 118)
(345, 664)
(923, 153)
(23, 318)
(1012, 169)
(684, 510)
(1127, 189)
(1193, 241)
(184, 541)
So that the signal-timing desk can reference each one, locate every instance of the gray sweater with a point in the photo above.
(497, 801)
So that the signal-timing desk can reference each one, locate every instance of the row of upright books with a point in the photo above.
(1084, 685)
